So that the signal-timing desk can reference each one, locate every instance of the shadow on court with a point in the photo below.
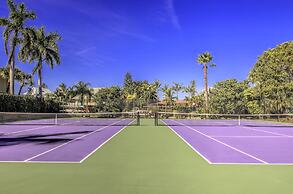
(40, 139)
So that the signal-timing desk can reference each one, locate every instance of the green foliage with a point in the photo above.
(168, 94)
(14, 31)
(40, 47)
(138, 94)
(272, 80)
(227, 97)
(9, 103)
(64, 93)
(23, 78)
(109, 100)
(205, 58)
(190, 90)
(128, 83)
(177, 87)
(81, 89)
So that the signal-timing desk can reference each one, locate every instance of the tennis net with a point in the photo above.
(253, 120)
(83, 119)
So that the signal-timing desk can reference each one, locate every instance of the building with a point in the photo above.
(35, 91)
(3, 85)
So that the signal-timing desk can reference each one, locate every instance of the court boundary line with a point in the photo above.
(264, 131)
(225, 144)
(72, 162)
(33, 129)
(73, 140)
(247, 136)
(252, 164)
(195, 150)
(110, 138)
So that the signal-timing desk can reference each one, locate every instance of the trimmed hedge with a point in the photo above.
(32, 104)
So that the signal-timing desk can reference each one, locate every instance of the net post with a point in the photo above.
(156, 119)
(56, 119)
(138, 118)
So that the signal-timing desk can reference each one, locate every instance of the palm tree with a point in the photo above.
(14, 29)
(205, 59)
(62, 92)
(4, 74)
(82, 89)
(44, 48)
(177, 87)
(149, 93)
(191, 89)
(24, 79)
(168, 94)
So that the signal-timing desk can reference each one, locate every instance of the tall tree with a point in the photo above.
(109, 100)
(272, 79)
(128, 91)
(63, 93)
(14, 26)
(227, 97)
(24, 79)
(128, 83)
(168, 94)
(81, 89)
(190, 90)
(4, 74)
(177, 87)
(205, 59)
(44, 48)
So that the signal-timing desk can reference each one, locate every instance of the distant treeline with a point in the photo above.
(268, 89)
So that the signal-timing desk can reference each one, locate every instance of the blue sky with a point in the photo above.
(158, 39)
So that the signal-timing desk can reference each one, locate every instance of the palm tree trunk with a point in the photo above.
(40, 82)
(11, 62)
(7, 86)
(205, 77)
(11, 78)
(11, 71)
(81, 99)
(20, 89)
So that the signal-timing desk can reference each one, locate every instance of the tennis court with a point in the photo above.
(235, 139)
(139, 159)
(57, 138)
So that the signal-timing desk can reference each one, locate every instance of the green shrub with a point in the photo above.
(10, 103)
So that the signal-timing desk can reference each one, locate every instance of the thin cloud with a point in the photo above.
(170, 8)
(86, 50)
(112, 21)
(135, 35)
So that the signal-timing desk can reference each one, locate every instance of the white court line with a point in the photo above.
(227, 145)
(259, 130)
(87, 156)
(250, 136)
(25, 130)
(259, 164)
(32, 129)
(41, 162)
(78, 138)
(70, 162)
(207, 160)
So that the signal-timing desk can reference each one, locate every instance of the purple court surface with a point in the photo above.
(267, 144)
(54, 143)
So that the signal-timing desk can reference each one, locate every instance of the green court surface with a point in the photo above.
(145, 159)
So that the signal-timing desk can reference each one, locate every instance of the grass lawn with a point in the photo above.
(145, 159)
